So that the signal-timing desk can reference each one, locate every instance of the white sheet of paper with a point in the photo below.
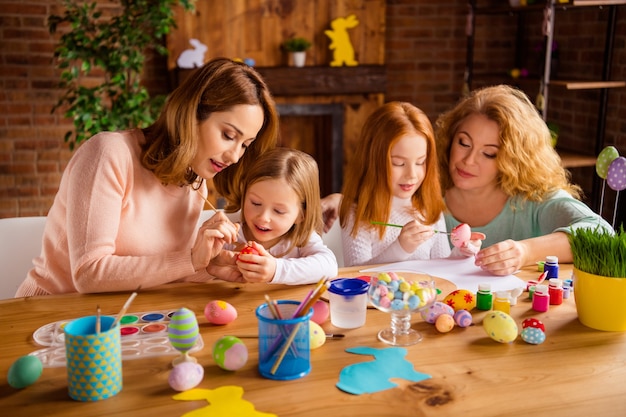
(460, 271)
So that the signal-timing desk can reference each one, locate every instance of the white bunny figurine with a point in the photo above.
(192, 58)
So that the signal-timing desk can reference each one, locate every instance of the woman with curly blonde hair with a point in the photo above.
(501, 175)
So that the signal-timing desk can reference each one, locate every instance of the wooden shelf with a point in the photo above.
(315, 80)
(587, 85)
(576, 160)
(540, 7)
(325, 80)
(583, 3)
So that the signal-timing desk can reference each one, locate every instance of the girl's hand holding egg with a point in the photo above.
(467, 241)
(256, 267)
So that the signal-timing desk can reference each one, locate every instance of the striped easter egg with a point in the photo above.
(183, 329)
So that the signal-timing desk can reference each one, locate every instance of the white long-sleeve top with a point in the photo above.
(367, 248)
(305, 265)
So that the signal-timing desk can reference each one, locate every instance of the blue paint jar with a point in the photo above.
(551, 266)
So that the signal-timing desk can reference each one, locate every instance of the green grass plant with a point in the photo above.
(599, 252)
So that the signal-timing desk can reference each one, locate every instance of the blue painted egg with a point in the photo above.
(183, 330)
(533, 335)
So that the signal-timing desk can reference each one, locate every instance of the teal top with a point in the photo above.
(521, 219)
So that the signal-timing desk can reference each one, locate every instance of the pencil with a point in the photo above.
(306, 306)
(283, 352)
(313, 299)
(272, 306)
(317, 288)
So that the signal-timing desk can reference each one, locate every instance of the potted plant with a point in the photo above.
(600, 277)
(111, 45)
(296, 47)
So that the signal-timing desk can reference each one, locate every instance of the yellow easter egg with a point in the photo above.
(317, 337)
(500, 327)
(461, 300)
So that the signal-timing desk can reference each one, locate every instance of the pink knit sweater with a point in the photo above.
(114, 226)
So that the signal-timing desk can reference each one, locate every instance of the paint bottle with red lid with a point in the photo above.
(555, 289)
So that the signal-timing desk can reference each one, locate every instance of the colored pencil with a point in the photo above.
(306, 306)
(272, 306)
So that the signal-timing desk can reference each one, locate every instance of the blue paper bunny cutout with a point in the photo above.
(369, 377)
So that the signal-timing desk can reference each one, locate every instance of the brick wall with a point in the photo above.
(425, 49)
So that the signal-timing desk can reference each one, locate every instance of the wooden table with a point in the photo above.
(576, 371)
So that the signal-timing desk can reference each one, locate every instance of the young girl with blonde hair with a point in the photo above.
(281, 218)
(394, 179)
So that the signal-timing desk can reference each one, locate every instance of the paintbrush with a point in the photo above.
(206, 199)
(98, 319)
(125, 307)
(400, 226)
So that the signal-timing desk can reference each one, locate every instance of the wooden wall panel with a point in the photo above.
(256, 28)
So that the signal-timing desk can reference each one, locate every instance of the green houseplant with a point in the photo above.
(110, 46)
(296, 44)
(296, 48)
(600, 278)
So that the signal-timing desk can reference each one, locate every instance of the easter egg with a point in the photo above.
(220, 312)
(317, 337)
(533, 335)
(608, 155)
(444, 323)
(185, 376)
(460, 235)
(24, 371)
(248, 250)
(230, 353)
(461, 300)
(463, 318)
(616, 177)
(438, 308)
(321, 311)
(533, 322)
(500, 327)
(183, 330)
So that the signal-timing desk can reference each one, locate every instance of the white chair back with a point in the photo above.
(20, 242)
(332, 239)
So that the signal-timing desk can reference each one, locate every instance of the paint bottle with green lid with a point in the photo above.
(484, 298)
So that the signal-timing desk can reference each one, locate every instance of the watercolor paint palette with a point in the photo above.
(142, 335)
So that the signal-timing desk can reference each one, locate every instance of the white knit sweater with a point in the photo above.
(366, 248)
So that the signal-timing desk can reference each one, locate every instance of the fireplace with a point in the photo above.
(316, 129)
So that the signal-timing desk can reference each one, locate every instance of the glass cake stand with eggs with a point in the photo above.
(400, 297)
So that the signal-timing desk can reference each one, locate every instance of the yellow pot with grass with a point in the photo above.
(600, 301)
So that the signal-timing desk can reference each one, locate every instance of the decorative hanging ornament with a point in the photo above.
(616, 178)
(608, 155)
(616, 174)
